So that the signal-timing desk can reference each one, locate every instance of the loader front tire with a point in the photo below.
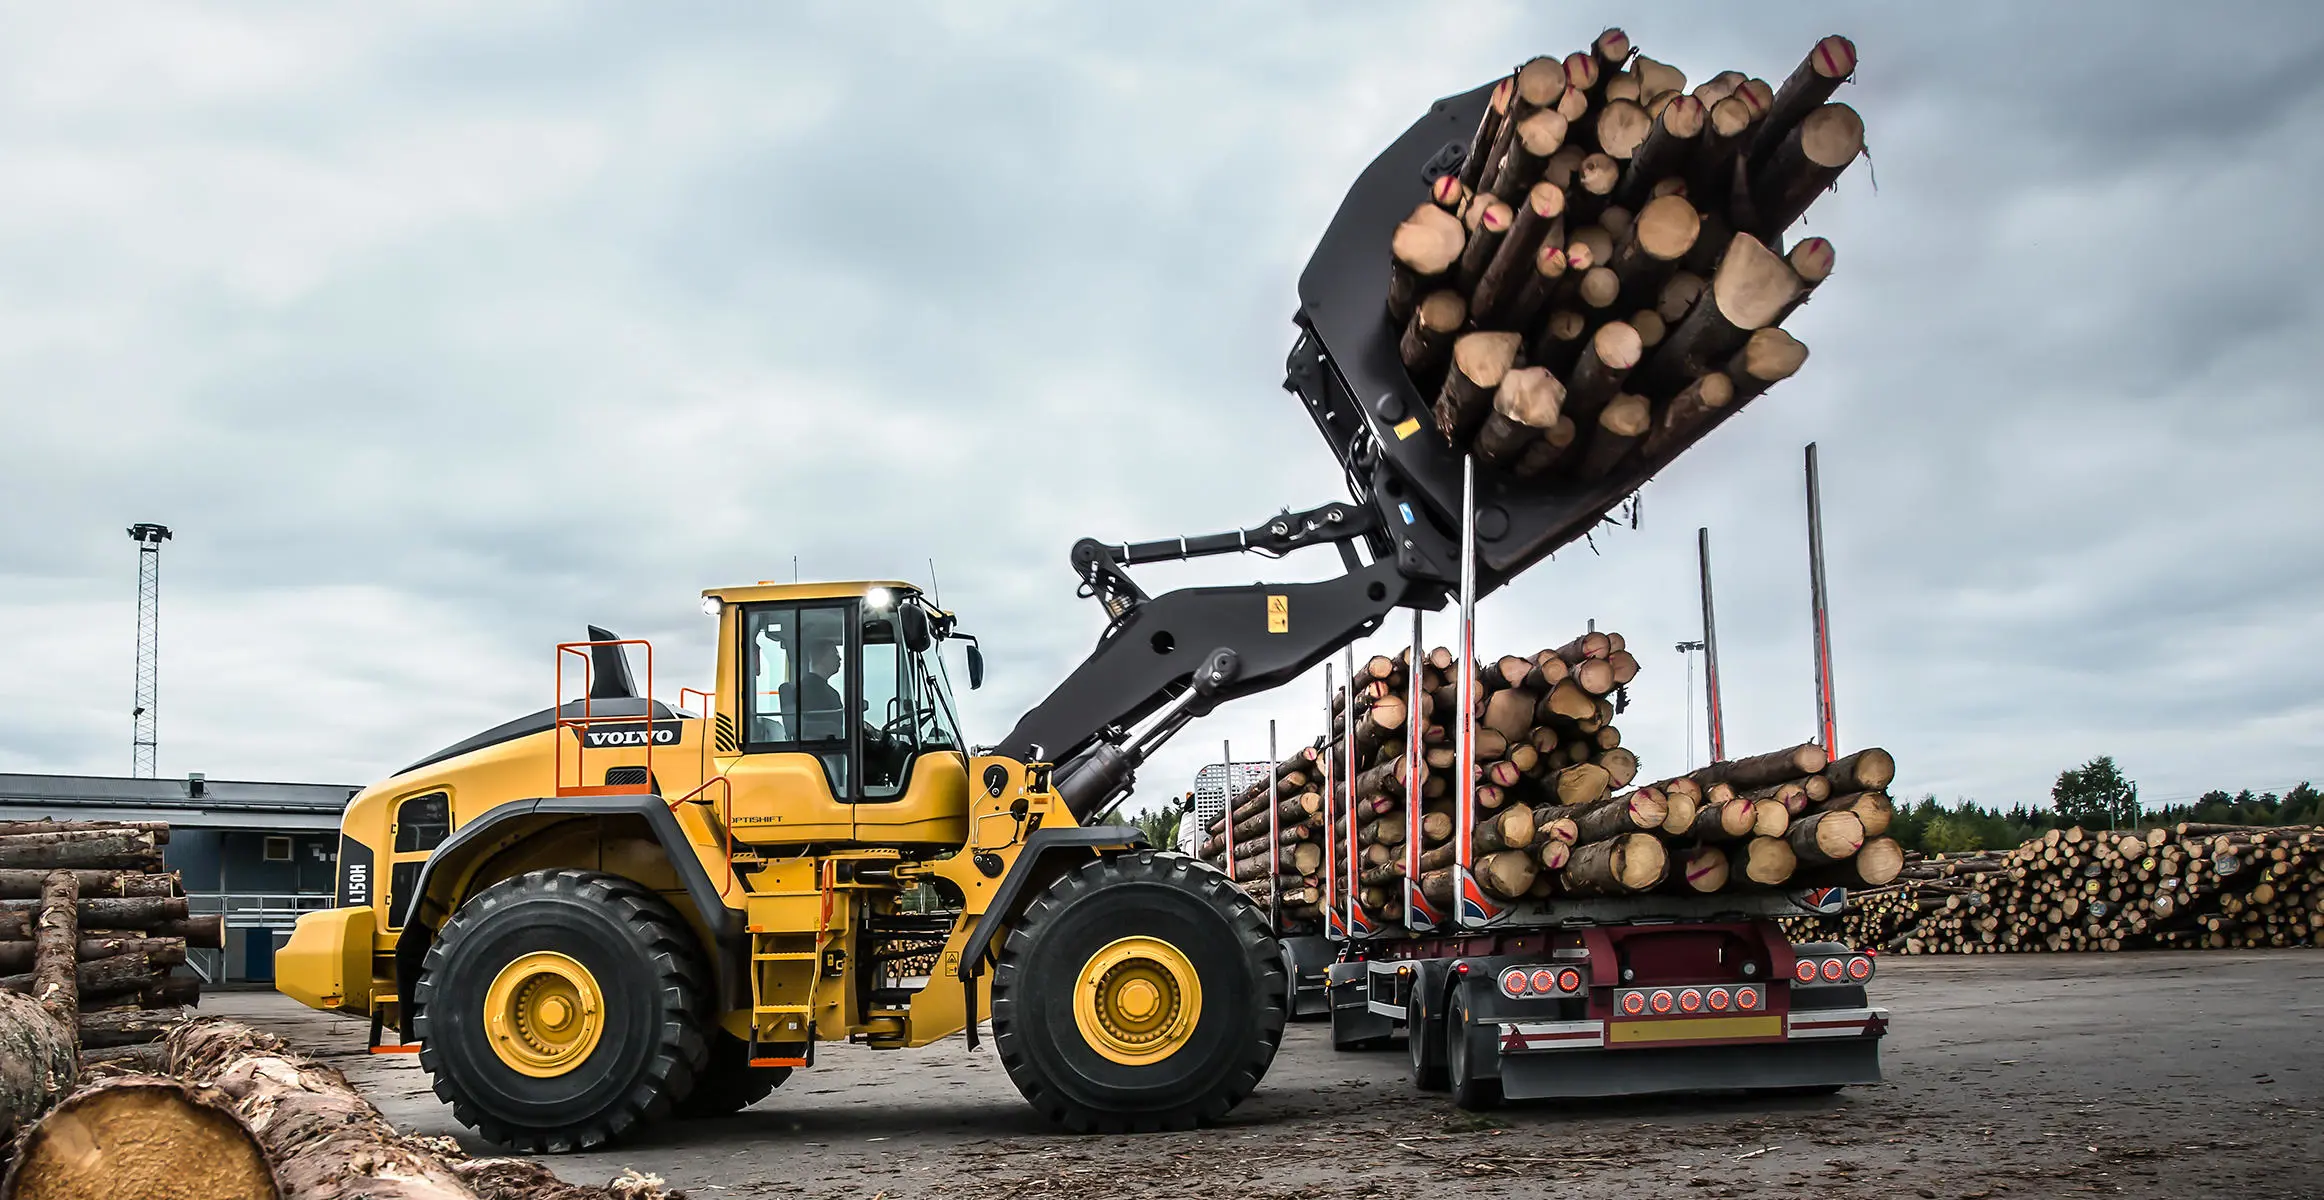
(1138, 992)
(557, 1011)
(727, 1083)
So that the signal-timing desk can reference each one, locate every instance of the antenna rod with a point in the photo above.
(1710, 650)
(1826, 720)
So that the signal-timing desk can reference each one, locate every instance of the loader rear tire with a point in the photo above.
(1137, 993)
(727, 1083)
(557, 1011)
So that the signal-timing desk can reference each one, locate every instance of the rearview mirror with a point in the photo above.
(917, 635)
(975, 667)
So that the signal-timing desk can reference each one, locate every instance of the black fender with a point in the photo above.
(475, 837)
(1045, 845)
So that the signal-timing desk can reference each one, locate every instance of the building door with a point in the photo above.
(258, 947)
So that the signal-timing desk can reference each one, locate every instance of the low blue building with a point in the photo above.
(261, 853)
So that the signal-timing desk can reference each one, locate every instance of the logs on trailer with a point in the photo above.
(1596, 189)
(2188, 886)
(1560, 806)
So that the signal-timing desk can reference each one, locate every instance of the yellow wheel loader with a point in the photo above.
(618, 909)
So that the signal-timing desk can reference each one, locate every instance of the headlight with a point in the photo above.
(879, 597)
(709, 606)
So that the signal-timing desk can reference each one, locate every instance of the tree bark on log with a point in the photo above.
(1538, 85)
(1541, 456)
(1823, 838)
(325, 1140)
(140, 912)
(1489, 220)
(142, 1136)
(1677, 133)
(1533, 140)
(1868, 770)
(1649, 254)
(1618, 430)
(1511, 828)
(1712, 173)
(1767, 358)
(1525, 406)
(1827, 65)
(56, 939)
(1504, 276)
(1614, 816)
(1766, 770)
(159, 829)
(1806, 163)
(37, 1063)
(1488, 132)
(1749, 290)
(90, 849)
(1548, 270)
(1695, 407)
(26, 883)
(1480, 360)
(1608, 359)
(1428, 336)
(1876, 865)
(122, 973)
(1424, 247)
(1871, 808)
(1619, 866)
(127, 1027)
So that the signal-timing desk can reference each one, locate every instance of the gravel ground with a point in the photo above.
(2029, 1075)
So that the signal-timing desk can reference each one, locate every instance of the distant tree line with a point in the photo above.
(2094, 795)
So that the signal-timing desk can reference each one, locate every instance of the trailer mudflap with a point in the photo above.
(1805, 1049)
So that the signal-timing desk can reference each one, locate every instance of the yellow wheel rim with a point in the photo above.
(1137, 1001)
(543, 1014)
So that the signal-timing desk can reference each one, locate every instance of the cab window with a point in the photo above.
(798, 685)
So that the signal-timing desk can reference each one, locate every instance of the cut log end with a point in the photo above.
(142, 1136)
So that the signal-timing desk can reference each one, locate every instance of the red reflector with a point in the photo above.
(1719, 999)
(1661, 1002)
(1545, 980)
(1513, 981)
(1463, 969)
(1746, 998)
(1805, 972)
(1832, 969)
(1569, 980)
(1690, 1000)
(1634, 1003)
(1859, 969)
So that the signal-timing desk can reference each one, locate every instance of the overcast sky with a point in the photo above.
(439, 331)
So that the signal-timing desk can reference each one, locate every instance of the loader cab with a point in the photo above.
(835, 720)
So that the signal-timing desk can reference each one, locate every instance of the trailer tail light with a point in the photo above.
(1544, 981)
(1832, 970)
(1746, 998)
(1690, 1001)
(1569, 980)
(1513, 982)
(1859, 968)
(1718, 999)
(1660, 1001)
(1805, 972)
(1633, 1003)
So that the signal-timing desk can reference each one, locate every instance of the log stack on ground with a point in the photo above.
(2187, 886)
(95, 930)
(1624, 237)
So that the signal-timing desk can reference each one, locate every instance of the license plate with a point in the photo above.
(1693, 1029)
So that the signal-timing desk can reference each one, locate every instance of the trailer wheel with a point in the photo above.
(556, 1010)
(1468, 1090)
(1138, 992)
(1423, 1036)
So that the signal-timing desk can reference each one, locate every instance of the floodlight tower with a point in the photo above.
(144, 718)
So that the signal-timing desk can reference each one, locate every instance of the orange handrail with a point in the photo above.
(589, 717)
(725, 825)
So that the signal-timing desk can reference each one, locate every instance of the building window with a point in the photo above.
(278, 849)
